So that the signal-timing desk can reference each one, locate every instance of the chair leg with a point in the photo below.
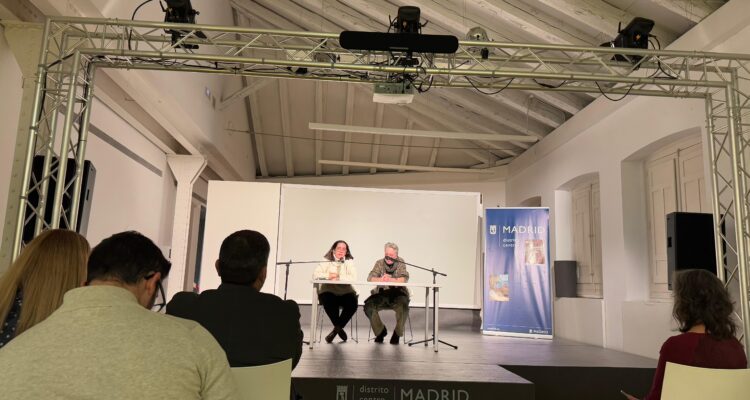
(320, 324)
(354, 328)
(411, 332)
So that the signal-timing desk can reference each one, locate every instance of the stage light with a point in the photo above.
(634, 36)
(407, 20)
(478, 34)
(181, 12)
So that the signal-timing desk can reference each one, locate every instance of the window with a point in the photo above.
(675, 181)
(587, 244)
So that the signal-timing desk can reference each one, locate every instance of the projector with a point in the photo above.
(393, 93)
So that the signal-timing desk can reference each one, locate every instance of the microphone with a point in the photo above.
(391, 259)
(341, 261)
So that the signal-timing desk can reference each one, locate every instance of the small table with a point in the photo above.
(427, 286)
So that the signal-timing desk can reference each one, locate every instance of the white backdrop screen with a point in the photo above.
(432, 229)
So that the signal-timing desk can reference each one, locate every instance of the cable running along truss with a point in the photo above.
(74, 48)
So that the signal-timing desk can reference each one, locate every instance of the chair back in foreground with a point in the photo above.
(267, 382)
(686, 383)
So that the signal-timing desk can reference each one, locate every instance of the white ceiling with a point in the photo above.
(281, 109)
(284, 108)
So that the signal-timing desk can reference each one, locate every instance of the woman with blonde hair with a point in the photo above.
(34, 285)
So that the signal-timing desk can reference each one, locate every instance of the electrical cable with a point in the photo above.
(611, 99)
(488, 93)
(132, 18)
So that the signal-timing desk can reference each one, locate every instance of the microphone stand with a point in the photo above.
(286, 276)
(286, 273)
(434, 308)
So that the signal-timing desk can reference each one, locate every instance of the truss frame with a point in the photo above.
(74, 48)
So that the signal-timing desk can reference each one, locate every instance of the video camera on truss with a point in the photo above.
(402, 44)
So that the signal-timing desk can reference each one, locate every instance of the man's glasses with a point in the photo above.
(160, 300)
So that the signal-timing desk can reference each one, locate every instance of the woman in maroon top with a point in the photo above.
(703, 310)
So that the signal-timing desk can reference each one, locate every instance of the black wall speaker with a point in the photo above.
(690, 243)
(84, 207)
(566, 279)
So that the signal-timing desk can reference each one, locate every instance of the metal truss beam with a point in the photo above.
(74, 48)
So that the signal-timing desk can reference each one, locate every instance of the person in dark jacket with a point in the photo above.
(253, 328)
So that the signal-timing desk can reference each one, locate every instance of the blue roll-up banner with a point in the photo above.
(517, 295)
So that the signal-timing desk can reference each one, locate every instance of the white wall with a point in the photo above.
(234, 206)
(128, 195)
(609, 138)
(492, 187)
(579, 319)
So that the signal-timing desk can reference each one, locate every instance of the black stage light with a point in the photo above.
(181, 12)
(407, 20)
(634, 36)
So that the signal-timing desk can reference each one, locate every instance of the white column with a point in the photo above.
(186, 170)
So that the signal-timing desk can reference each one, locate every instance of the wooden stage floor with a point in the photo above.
(483, 367)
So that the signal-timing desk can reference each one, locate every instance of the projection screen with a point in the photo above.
(433, 229)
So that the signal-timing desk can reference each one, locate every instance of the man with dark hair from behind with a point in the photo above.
(104, 342)
(254, 328)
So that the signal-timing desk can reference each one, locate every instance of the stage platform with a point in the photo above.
(483, 367)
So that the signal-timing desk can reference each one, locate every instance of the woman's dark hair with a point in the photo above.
(700, 297)
(329, 255)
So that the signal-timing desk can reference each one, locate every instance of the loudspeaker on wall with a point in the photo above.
(690, 243)
(86, 196)
(566, 279)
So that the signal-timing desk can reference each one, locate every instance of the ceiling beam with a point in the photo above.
(352, 21)
(406, 144)
(24, 10)
(376, 138)
(419, 132)
(285, 128)
(595, 16)
(535, 27)
(434, 153)
(244, 92)
(521, 102)
(694, 11)
(439, 113)
(258, 127)
(514, 121)
(237, 19)
(349, 118)
(406, 167)
(319, 107)
(296, 15)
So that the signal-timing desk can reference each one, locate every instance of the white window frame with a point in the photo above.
(587, 243)
(676, 154)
